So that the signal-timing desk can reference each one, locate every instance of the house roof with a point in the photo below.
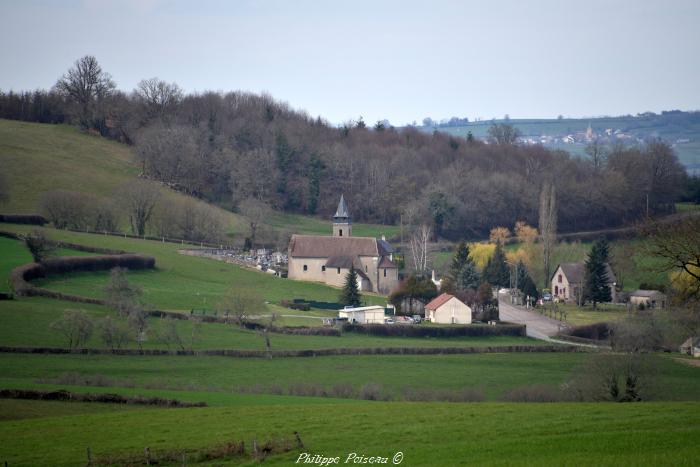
(645, 293)
(438, 301)
(385, 262)
(343, 261)
(691, 342)
(318, 246)
(575, 272)
(342, 211)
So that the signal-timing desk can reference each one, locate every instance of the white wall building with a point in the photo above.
(363, 315)
(448, 309)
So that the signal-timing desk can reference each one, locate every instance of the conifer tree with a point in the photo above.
(350, 294)
(596, 282)
(463, 270)
(496, 271)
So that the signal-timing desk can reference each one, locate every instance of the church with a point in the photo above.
(328, 259)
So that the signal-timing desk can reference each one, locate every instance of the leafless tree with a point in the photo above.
(85, 84)
(239, 304)
(256, 212)
(76, 326)
(139, 199)
(504, 133)
(418, 244)
(67, 209)
(39, 245)
(113, 334)
(169, 334)
(678, 245)
(548, 224)
(159, 96)
(598, 155)
(122, 296)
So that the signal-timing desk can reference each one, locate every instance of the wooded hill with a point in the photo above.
(230, 147)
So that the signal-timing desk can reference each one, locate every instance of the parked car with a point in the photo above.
(388, 321)
(417, 319)
(547, 297)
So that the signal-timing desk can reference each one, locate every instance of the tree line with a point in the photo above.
(230, 147)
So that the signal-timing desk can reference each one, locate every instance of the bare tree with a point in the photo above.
(256, 212)
(678, 245)
(158, 96)
(548, 225)
(170, 335)
(76, 326)
(85, 84)
(123, 296)
(598, 155)
(114, 335)
(239, 304)
(503, 133)
(418, 244)
(139, 199)
(67, 209)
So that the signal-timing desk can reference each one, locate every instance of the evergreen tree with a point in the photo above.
(525, 283)
(468, 277)
(496, 271)
(459, 259)
(350, 294)
(596, 288)
(463, 273)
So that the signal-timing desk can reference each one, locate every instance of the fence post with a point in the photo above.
(89, 457)
(147, 452)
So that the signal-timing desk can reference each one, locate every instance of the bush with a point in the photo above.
(534, 393)
(473, 330)
(595, 331)
(31, 219)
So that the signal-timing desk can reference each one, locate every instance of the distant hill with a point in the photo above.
(680, 129)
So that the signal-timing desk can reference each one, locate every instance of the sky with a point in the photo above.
(396, 60)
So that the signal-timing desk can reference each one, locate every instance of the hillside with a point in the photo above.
(41, 157)
(680, 129)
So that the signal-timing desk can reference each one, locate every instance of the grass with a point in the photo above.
(484, 434)
(41, 157)
(27, 321)
(17, 409)
(12, 254)
(179, 282)
(605, 312)
(494, 374)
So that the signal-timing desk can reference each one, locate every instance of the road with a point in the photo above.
(538, 326)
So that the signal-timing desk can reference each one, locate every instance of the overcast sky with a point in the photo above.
(399, 60)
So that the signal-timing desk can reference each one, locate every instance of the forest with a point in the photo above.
(231, 147)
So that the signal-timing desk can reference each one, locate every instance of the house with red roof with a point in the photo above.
(448, 309)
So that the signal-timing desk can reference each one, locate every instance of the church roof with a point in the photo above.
(317, 246)
(386, 263)
(342, 211)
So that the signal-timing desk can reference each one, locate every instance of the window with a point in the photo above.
(365, 268)
(323, 268)
(341, 232)
(385, 272)
(338, 270)
(560, 278)
(563, 291)
(556, 290)
(306, 268)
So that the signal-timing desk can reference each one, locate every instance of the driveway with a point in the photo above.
(538, 326)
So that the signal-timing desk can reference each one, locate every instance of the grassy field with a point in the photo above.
(661, 434)
(39, 157)
(179, 282)
(492, 374)
(27, 321)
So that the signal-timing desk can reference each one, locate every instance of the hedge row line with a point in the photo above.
(62, 395)
(21, 276)
(473, 330)
(238, 353)
(32, 219)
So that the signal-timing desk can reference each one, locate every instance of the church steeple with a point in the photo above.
(342, 226)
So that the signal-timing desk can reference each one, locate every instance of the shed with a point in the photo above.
(691, 347)
(649, 298)
(448, 309)
(363, 314)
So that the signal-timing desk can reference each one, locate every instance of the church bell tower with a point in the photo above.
(342, 226)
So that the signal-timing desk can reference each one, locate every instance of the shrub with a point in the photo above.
(371, 392)
(474, 330)
(31, 219)
(534, 393)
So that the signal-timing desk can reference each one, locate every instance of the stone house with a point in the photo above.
(448, 309)
(649, 298)
(328, 259)
(567, 281)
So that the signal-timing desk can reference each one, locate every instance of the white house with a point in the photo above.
(363, 315)
(567, 281)
(448, 309)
